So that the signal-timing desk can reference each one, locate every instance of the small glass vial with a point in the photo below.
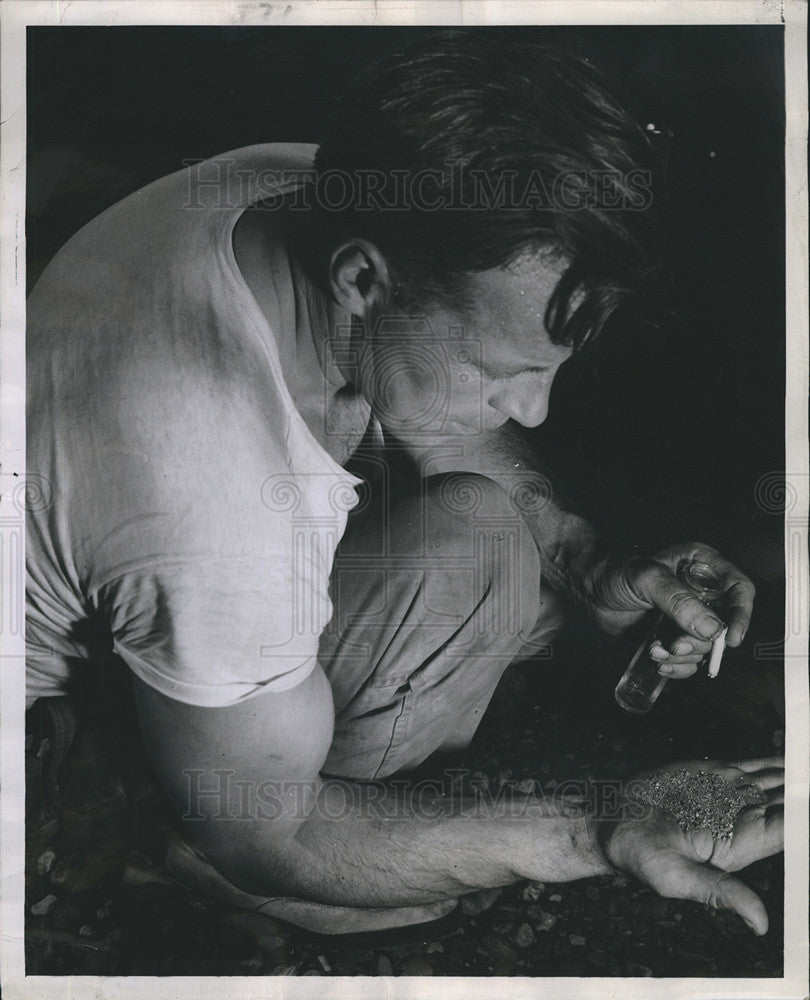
(641, 684)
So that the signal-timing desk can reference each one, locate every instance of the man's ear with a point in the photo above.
(359, 278)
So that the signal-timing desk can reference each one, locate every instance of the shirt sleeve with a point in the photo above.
(209, 595)
(209, 631)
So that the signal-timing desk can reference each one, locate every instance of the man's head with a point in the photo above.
(488, 186)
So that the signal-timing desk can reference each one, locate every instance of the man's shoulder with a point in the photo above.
(174, 216)
(241, 177)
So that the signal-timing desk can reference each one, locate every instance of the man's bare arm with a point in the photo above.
(587, 569)
(411, 854)
(568, 544)
(286, 830)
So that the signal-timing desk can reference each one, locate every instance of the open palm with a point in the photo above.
(692, 865)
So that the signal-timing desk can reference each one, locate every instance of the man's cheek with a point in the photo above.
(465, 401)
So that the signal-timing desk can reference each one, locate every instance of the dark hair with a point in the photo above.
(499, 127)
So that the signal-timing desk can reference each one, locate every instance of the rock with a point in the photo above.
(500, 955)
(63, 941)
(495, 948)
(619, 882)
(44, 906)
(324, 964)
(90, 869)
(435, 948)
(104, 911)
(524, 936)
(136, 874)
(285, 970)
(477, 902)
(86, 931)
(544, 921)
(45, 862)
(577, 940)
(416, 966)
(556, 898)
(384, 967)
(266, 932)
(637, 969)
(533, 891)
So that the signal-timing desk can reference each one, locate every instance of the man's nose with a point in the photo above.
(529, 408)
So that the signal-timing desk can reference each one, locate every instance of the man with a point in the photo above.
(211, 357)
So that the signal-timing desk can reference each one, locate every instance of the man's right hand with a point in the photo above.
(693, 865)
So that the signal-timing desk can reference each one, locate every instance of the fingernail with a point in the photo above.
(666, 669)
(707, 626)
(682, 647)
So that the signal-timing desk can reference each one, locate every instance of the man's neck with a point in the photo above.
(322, 393)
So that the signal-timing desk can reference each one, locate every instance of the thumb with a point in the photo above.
(661, 588)
(718, 889)
(703, 843)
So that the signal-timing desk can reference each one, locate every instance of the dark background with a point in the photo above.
(670, 436)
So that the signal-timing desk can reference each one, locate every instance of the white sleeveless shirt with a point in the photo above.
(190, 517)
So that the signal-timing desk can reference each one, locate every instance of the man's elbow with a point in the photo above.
(257, 858)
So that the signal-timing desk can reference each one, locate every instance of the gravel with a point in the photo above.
(146, 926)
(698, 800)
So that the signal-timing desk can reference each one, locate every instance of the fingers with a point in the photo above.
(732, 894)
(737, 600)
(773, 777)
(734, 606)
(703, 843)
(683, 658)
(775, 797)
(713, 887)
(759, 832)
(689, 647)
(676, 671)
(759, 764)
(659, 586)
(684, 653)
(737, 603)
(773, 838)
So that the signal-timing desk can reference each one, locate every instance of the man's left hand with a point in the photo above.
(620, 593)
(693, 865)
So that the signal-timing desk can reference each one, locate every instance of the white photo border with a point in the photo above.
(15, 16)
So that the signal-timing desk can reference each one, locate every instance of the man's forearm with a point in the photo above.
(393, 849)
(568, 545)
